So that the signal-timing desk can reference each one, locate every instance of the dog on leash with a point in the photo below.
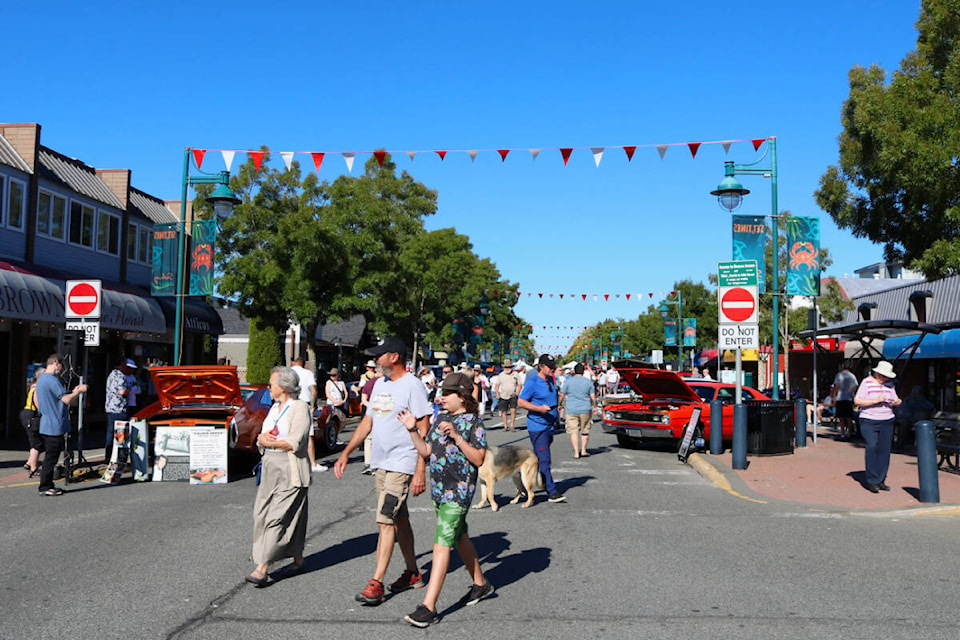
(500, 462)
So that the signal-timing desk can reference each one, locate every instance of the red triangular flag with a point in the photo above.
(606, 296)
(628, 296)
(380, 156)
(540, 295)
(757, 142)
(518, 294)
(651, 294)
(584, 296)
(198, 156)
(503, 154)
(257, 158)
(565, 152)
(561, 296)
(442, 154)
(629, 151)
(693, 148)
(317, 160)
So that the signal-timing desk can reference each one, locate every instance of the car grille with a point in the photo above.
(640, 416)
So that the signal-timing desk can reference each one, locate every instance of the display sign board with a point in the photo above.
(688, 435)
(737, 273)
(739, 336)
(193, 454)
(83, 299)
(738, 298)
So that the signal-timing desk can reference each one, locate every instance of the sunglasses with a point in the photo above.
(447, 392)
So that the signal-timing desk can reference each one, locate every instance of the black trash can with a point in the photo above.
(770, 427)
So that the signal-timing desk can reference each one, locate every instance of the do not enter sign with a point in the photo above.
(738, 304)
(83, 299)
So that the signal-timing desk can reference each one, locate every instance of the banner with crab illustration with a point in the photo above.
(803, 253)
(203, 235)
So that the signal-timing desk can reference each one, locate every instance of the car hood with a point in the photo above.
(654, 384)
(197, 386)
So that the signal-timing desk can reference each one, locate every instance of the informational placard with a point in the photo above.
(684, 451)
(197, 455)
(171, 454)
(739, 336)
(208, 456)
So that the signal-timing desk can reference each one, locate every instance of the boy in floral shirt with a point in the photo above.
(456, 445)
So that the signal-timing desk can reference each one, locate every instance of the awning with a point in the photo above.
(943, 345)
(27, 296)
(198, 316)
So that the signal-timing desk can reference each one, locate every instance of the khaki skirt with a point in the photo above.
(279, 513)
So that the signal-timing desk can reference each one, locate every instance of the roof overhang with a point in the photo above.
(876, 329)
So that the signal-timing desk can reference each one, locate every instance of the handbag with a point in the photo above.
(256, 470)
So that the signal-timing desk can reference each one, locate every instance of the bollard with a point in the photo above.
(800, 422)
(739, 436)
(927, 461)
(716, 427)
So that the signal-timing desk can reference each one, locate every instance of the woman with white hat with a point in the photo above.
(876, 399)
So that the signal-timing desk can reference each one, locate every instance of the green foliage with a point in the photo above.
(264, 352)
(898, 178)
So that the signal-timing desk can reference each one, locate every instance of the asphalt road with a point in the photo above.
(643, 548)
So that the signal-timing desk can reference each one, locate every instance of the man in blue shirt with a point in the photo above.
(53, 402)
(581, 400)
(539, 397)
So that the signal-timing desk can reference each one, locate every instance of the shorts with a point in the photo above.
(844, 409)
(393, 488)
(579, 423)
(505, 404)
(451, 523)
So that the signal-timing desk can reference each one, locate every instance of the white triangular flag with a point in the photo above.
(228, 158)
(473, 154)
(535, 153)
(287, 158)
(412, 154)
(662, 149)
(726, 147)
(597, 155)
(348, 158)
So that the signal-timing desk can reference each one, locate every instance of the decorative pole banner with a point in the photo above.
(803, 250)
(750, 243)
(201, 257)
(689, 332)
(669, 333)
(164, 260)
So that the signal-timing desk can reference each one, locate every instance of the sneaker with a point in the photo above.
(477, 593)
(422, 617)
(372, 594)
(367, 471)
(557, 497)
(317, 468)
(407, 580)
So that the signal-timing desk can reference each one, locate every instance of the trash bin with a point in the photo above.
(770, 427)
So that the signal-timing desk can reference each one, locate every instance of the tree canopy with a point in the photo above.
(898, 178)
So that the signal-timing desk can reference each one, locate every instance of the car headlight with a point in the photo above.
(608, 415)
(665, 418)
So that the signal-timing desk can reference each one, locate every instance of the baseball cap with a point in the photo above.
(459, 383)
(131, 363)
(476, 367)
(548, 360)
(388, 345)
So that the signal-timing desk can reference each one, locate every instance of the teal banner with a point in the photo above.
(803, 254)
(689, 332)
(750, 243)
(669, 333)
(201, 257)
(163, 260)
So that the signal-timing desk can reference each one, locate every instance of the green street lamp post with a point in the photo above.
(223, 200)
(730, 196)
(665, 313)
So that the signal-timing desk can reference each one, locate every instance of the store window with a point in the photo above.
(51, 215)
(16, 204)
(81, 224)
(108, 233)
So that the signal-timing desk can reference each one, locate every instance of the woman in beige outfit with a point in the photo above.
(280, 510)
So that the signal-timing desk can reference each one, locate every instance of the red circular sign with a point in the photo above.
(738, 304)
(82, 299)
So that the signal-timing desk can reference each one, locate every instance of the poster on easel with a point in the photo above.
(121, 453)
(208, 456)
(171, 454)
(139, 441)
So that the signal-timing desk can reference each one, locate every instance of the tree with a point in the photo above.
(898, 179)
(264, 352)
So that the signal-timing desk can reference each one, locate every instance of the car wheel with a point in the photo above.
(328, 434)
(627, 442)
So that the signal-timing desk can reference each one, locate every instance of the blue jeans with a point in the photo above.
(878, 437)
(541, 446)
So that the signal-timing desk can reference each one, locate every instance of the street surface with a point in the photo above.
(643, 548)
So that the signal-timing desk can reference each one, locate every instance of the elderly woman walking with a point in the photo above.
(280, 510)
(876, 399)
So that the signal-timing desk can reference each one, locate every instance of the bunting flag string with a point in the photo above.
(566, 153)
(597, 297)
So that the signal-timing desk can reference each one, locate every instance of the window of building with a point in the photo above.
(108, 233)
(145, 253)
(51, 215)
(81, 224)
(16, 204)
(2, 217)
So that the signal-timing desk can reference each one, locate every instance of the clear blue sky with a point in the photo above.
(117, 84)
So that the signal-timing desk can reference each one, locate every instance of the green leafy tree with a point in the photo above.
(264, 352)
(898, 179)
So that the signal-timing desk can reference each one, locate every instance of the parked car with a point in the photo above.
(663, 406)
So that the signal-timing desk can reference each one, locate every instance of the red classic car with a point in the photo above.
(211, 395)
(663, 405)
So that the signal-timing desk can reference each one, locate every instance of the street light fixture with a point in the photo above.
(730, 195)
(665, 313)
(223, 200)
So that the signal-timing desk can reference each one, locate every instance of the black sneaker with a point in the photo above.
(477, 593)
(557, 497)
(422, 617)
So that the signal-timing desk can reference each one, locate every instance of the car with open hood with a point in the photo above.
(212, 396)
(663, 403)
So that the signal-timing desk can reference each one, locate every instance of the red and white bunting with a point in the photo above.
(287, 158)
(597, 155)
(198, 156)
(348, 158)
(228, 158)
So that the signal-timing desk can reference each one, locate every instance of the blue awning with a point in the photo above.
(943, 345)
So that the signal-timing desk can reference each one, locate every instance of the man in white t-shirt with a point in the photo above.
(308, 393)
(613, 379)
(398, 468)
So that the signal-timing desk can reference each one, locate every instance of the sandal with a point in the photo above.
(291, 570)
(52, 492)
(258, 582)
(35, 472)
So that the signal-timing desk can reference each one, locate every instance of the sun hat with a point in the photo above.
(507, 363)
(371, 364)
(885, 369)
(334, 372)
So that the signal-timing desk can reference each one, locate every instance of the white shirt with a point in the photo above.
(307, 380)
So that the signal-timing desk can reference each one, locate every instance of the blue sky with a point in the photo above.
(120, 84)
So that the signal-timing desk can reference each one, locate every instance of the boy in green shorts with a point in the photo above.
(455, 445)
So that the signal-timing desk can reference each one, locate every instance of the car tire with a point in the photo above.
(627, 442)
(327, 439)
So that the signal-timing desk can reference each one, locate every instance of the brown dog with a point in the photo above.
(501, 462)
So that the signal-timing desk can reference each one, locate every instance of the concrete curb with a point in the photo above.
(708, 471)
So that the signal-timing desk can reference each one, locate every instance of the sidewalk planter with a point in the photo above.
(770, 427)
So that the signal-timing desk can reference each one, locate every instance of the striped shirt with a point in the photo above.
(872, 389)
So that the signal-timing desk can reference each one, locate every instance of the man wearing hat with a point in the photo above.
(398, 468)
(115, 402)
(876, 399)
(507, 389)
(539, 398)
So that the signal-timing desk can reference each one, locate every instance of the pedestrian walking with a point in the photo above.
(844, 386)
(53, 402)
(876, 399)
(539, 398)
(581, 401)
(115, 400)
